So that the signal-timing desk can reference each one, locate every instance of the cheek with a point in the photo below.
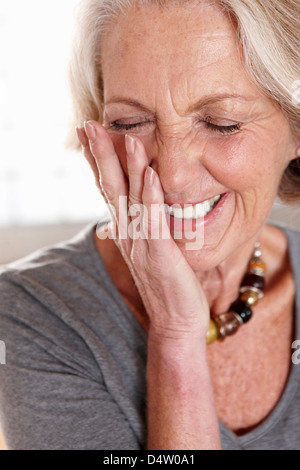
(242, 162)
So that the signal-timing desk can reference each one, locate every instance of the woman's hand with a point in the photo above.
(180, 399)
(171, 293)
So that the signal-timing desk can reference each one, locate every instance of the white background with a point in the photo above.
(40, 182)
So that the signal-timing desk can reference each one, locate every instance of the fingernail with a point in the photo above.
(130, 145)
(90, 131)
(82, 137)
(149, 177)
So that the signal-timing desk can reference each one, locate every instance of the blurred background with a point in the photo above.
(47, 194)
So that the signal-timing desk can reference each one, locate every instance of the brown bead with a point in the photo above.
(253, 280)
(228, 324)
(250, 297)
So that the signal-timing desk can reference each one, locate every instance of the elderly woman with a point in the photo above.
(170, 326)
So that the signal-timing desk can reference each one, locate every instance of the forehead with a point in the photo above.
(190, 45)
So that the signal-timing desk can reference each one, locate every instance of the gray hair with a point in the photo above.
(268, 35)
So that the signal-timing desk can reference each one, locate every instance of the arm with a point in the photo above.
(181, 408)
(182, 413)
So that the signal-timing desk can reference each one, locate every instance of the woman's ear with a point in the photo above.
(295, 152)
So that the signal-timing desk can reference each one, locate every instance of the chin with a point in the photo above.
(223, 233)
(204, 241)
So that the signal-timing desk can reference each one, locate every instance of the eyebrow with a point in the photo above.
(205, 101)
(128, 102)
(211, 99)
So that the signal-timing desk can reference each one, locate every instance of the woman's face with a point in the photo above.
(174, 78)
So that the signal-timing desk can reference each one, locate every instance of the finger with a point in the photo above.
(112, 179)
(88, 155)
(82, 136)
(155, 220)
(137, 162)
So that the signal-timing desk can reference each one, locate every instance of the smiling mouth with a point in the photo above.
(197, 211)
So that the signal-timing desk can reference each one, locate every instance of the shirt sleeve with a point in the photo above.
(50, 400)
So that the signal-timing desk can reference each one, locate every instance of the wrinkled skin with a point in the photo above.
(165, 70)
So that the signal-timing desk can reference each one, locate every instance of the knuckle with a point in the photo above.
(108, 190)
(134, 199)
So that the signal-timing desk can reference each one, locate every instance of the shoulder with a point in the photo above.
(56, 309)
(51, 269)
(48, 297)
(69, 251)
(64, 296)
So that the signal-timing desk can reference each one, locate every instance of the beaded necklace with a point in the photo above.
(240, 312)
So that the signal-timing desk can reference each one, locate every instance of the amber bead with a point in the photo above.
(257, 266)
(213, 332)
(257, 263)
(250, 297)
(253, 280)
(242, 309)
(228, 324)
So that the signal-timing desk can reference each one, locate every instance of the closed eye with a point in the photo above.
(225, 130)
(126, 127)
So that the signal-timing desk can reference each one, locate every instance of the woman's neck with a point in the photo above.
(221, 284)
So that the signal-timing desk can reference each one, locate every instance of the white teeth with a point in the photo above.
(193, 212)
(206, 206)
(178, 213)
(200, 211)
(188, 212)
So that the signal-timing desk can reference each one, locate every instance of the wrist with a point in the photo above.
(177, 335)
(186, 349)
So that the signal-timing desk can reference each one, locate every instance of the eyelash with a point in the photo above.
(224, 130)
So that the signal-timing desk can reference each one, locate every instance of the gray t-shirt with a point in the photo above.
(75, 372)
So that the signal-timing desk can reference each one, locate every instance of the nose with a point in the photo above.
(179, 166)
